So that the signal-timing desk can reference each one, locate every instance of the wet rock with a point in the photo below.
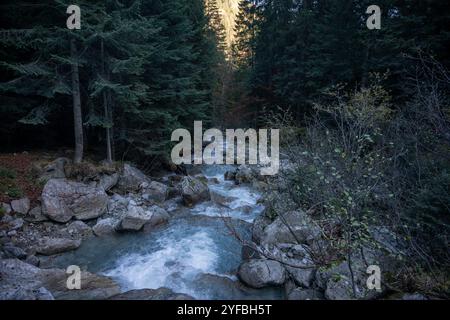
(291, 227)
(107, 182)
(151, 294)
(244, 174)
(230, 175)
(193, 191)
(79, 228)
(105, 227)
(136, 217)
(159, 216)
(131, 179)
(262, 273)
(63, 199)
(21, 206)
(155, 192)
(50, 246)
(221, 198)
(414, 296)
(35, 215)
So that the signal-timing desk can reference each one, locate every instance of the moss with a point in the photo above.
(6, 173)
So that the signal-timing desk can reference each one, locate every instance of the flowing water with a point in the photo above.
(195, 253)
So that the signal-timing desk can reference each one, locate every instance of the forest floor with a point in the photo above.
(16, 177)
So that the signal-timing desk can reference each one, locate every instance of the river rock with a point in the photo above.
(79, 228)
(105, 227)
(262, 273)
(35, 215)
(244, 174)
(193, 191)
(18, 280)
(155, 192)
(221, 198)
(151, 294)
(136, 217)
(50, 246)
(63, 199)
(131, 179)
(21, 206)
(291, 227)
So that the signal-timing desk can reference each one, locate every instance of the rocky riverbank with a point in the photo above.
(81, 205)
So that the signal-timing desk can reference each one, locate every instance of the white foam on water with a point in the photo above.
(174, 265)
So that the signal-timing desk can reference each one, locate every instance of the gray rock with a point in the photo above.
(248, 253)
(16, 224)
(105, 227)
(35, 215)
(244, 174)
(155, 192)
(262, 273)
(137, 217)
(305, 294)
(221, 198)
(18, 292)
(131, 179)
(6, 208)
(50, 246)
(63, 199)
(21, 277)
(151, 294)
(291, 227)
(107, 182)
(21, 206)
(414, 296)
(159, 216)
(33, 260)
(14, 252)
(54, 170)
(259, 225)
(79, 228)
(193, 191)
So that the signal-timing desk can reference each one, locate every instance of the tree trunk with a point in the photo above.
(106, 110)
(77, 115)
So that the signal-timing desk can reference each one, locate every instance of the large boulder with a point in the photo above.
(291, 227)
(137, 217)
(20, 280)
(105, 227)
(5, 208)
(220, 197)
(193, 191)
(62, 200)
(131, 179)
(49, 246)
(155, 192)
(262, 273)
(259, 225)
(21, 206)
(305, 294)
